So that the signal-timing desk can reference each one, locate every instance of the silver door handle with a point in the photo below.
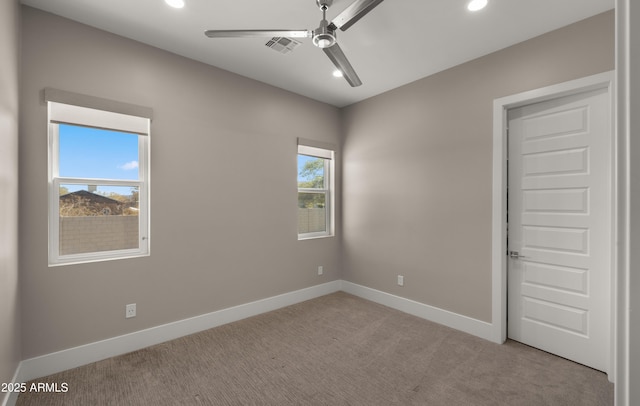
(516, 255)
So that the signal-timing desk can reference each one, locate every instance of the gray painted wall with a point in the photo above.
(632, 55)
(417, 171)
(9, 79)
(222, 146)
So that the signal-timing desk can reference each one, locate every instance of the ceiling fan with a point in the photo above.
(323, 37)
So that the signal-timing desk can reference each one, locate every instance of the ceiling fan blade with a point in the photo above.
(340, 60)
(258, 33)
(354, 12)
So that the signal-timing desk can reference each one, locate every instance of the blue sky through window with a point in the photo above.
(96, 153)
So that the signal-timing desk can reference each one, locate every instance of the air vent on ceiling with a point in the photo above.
(283, 45)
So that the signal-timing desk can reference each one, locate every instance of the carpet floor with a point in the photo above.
(334, 350)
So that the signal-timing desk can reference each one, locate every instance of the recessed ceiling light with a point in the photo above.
(337, 73)
(175, 3)
(475, 5)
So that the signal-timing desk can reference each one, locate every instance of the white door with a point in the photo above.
(560, 226)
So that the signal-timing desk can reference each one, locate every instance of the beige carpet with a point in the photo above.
(334, 350)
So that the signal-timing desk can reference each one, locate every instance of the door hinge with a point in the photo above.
(515, 255)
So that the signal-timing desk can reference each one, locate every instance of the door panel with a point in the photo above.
(553, 201)
(560, 219)
(563, 277)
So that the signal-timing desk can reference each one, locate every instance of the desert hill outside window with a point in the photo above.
(315, 189)
(98, 178)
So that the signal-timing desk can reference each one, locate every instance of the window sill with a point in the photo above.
(86, 259)
(314, 237)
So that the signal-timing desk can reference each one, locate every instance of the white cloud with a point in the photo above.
(129, 166)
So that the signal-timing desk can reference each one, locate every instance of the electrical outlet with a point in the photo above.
(400, 280)
(130, 311)
(320, 270)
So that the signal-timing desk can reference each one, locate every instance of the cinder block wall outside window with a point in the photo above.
(311, 220)
(97, 233)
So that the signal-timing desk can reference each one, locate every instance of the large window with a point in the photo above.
(315, 191)
(98, 184)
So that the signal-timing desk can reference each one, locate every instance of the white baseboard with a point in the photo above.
(466, 324)
(48, 364)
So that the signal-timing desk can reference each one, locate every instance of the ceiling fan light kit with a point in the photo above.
(323, 37)
(324, 40)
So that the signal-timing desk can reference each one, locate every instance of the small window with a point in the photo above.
(98, 185)
(315, 192)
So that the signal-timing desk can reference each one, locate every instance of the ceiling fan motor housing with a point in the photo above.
(324, 36)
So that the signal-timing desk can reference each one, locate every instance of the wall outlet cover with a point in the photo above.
(130, 310)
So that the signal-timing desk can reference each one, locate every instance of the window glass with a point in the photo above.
(311, 172)
(96, 153)
(96, 218)
(314, 195)
(312, 213)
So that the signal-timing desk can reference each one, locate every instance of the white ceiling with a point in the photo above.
(398, 42)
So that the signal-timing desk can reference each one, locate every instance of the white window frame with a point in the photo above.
(326, 152)
(61, 113)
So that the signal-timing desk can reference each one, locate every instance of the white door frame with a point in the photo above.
(499, 214)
